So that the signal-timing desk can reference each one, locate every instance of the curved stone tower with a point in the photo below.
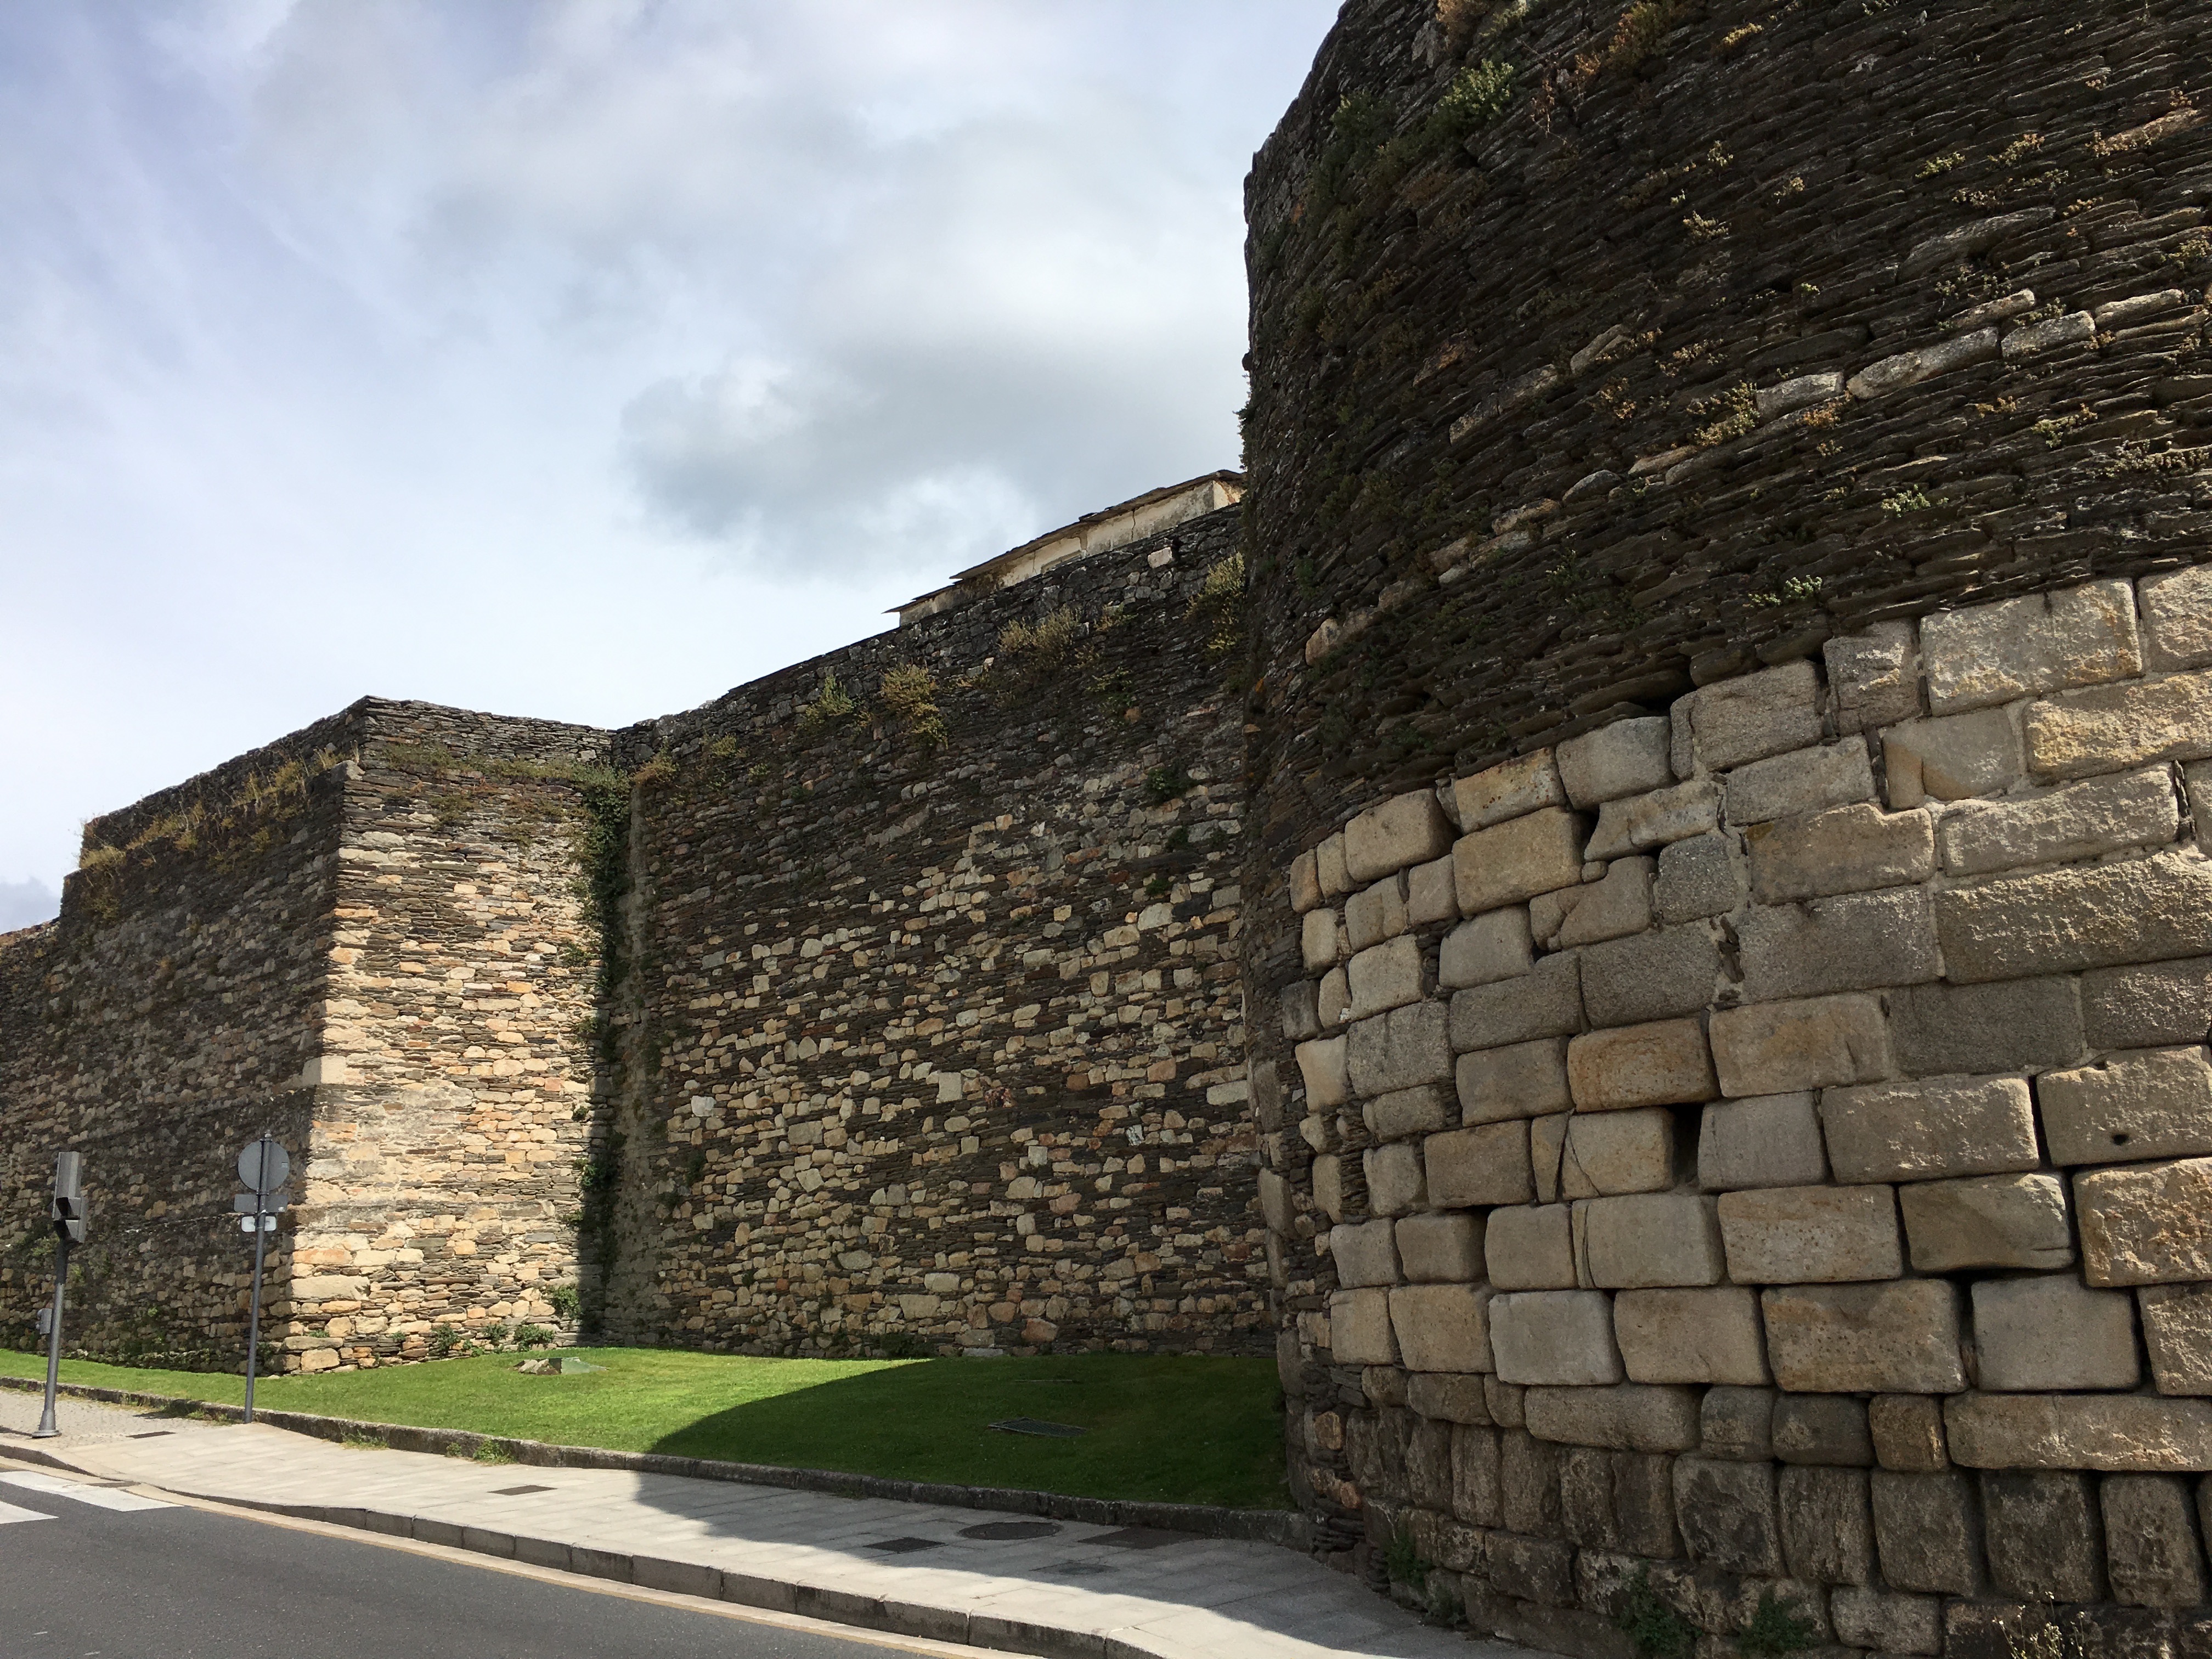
(1729, 942)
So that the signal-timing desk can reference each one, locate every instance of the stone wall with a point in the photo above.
(1726, 928)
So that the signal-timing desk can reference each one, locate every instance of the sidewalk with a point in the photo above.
(953, 1575)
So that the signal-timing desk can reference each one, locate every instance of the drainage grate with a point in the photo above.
(996, 1529)
(518, 1492)
(903, 1545)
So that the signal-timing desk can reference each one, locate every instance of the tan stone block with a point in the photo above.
(2102, 915)
(1408, 828)
(1432, 893)
(1394, 1179)
(1665, 974)
(1481, 1166)
(1638, 824)
(1626, 758)
(2051, 1332)
(1805, 781)
(1925, 1130)
(1900, 1337)
(1847, 849)
(2152, 1103)
(1328, 1185)
(1305, 882)
(2076, 821)
(1709, 1336)
(1698, 878)
(1991, 653)
(1627, 1417)
(1987, 1221)
(1907, 1431)
(1448, 1397)
(1660, 1064)
(1401, 1049)
(1578, 1155)
(1333, 1000)
(1329, 863)
(1810, 1235)
(1954, 758)
(1510, 789)
(1365, 1254)
(1321, 940)
(2176, 1327)
(1374, 914)
(1546, 1001)
(1325, 1065)
(1442, 1327)
(1409, 1112)
(1530, 1246)
(1486, 948)
(1275, 1204)
(2148, 1225)
(1386, 977)
(1648, 1240)
(1746, 718)
(1772, 1141)
(2177, 618)
(1554, 1337)
(2115, 727)
(2150, 1540)
(1778, 1048)
(1613, 907)
(1523, 1080)
(1359, 1328)
(2106, 1431)
(1441, 1248)
(1853, 942)
(1874, 677)
(1516, 860)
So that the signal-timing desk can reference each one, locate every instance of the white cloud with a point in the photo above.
(23, 903)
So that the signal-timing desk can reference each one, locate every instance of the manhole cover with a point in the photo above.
(903, 1545)
(1011, 1529)
(1038, 1426)
(518, 1492)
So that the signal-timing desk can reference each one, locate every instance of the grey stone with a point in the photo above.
(1409, 1112)
(2148, 1102)
(1441, 1328)
(1626, 758)
(1546, 1001)
(1618, 905)
(2128, 1432)
(1931, 1129)
(1448, 1397)
(1480, 1166)
(2075, 821)
(1320, 938)
(1644, 1240)
(1907, 1430)
(1746, 718)
(1726, 1513)
(1655, 976)
(1851, 942)
(1359, 1328)
(1595, 1155)
(1301, 1017)
(1875, 677)
(2152, 1553)
(1374, 914)
(1827, 1525)
(1514, 860)
(1901, 1337)
(1988, 1221)
(1710, 1334)
(1643, 1504)
(2020, 1024)
(1523, 1080)
(1486, 948)
(2051, 1332)
(2033, 339)
(1738, 1424)
(1335, 999)
(1846, 849)
(1992, 654)
(1804, 780)
(1697, 878)
(1780, 1048)
(1386, 977)
(1305, 882)
(1638, 824)
(1328, 1185)
(2147, 1007)
(1773, 1140)
(1665, 1063)
(1443, 1249)
(2176, 1327)
(2045, 1541)
(1476, 1496)
(1510, 789)
(1530, 1246)
(1324, 1065)
(1408, 828)
(1401, 1049)
(1328, 859)
(2114, 727)
(1887, 1621)
(1928, 1529)
(1432, 893)
(1504, 1401)
(1394, 1179)
(1529, 1475)
(1810, 1235)
(1956, 758)
(1824, 1429)
(1364, 1254)
(1630, 1417)
(2143, 910)
(1562, 1338)
(2149, 1223)
(2177, 618)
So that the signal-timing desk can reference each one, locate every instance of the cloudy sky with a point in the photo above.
(579, 360)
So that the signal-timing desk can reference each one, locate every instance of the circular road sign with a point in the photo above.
(263, 1165)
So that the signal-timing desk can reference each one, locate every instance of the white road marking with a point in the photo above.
(104, 1498)
(10, 1514)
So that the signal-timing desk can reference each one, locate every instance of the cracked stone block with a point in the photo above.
(1779, 1047)
(1746, 718)
(1710, 1334)
(2075, 821)
(1442, 1327)
(1805, 781)
(1522, 1079)
(1546, 1001)
(2152, 1553)
(2115, 727)
(1486, 1165)
(1486, 948)
(1639, 823)
(1441, 1248)
(2051, 1332)
(1649, 1240)
(1395, 1185)
(1663, 1063)
(1992, 654)
(1810, 1235)
(1924, 1130)
(1595, 1155)
(1365, 1254)
(1874, 677)
(2153, 1102)
(1927, 1531)
(1847, 849)
(1958, 758)
(1697, 878)
(1900, 1337)
(1628, 757)
(1374, 914)
(1555, 1337)
(1617, 905)
(1408, 829)
(1510, 789)
(1530, 1246)
(1773, 1140)
(2146, 1224)
(1513, 861)
(1986, 1221)
(2022, 1025)
(2043, 1534)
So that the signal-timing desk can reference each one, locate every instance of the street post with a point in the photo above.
(262, 1166)
(71, 1216)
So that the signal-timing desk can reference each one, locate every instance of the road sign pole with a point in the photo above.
(46, 1431)
(254, 1320)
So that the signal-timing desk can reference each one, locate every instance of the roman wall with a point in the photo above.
(1726, 922)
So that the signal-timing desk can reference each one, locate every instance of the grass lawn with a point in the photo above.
(1191, 1430)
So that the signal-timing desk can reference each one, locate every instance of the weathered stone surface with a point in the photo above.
(1988, 1221)
(1851, 943)
(1727, 1514)
(1992, 654)
(1441, 1328)
(1484, 948)
(2151, 1549)
(2112, 1431)
(1846, 849)
(2044, 1540)
(1629, 1417)
(1928, 1529)
(1810, 1235)
(1778, 1048)
(1737, 1423)
(1517, 859)
(1510, 789)
(2150, 1224)
(1336, 880)
(1320, 938)
(1956, 758)
(1613, 907)
(1328, 1185)
(1886, 1620)
(2176, 1327)
(1874, 677)
(1907, 1431)
(1386, 977)
(2020, 1024)
(1299, 1010)
(1746, 718)
(1395, 1185)
(1486, 1165)
(1476, 1492)
(1443, 1249)
(1554, 1337)
(1629, 1066)
(1305, 882)
(2177, 618)
(1374, 914)
(1697, 878)
(1773, 1140)
(1827, 1525)
(1546, 1001)
(1530, 1248)
(1523, 1080)
(1934, 1127)
(1333, 1002)
(1365, 1254)
(1650, 1239)
(1449, 1397)
(2152, 1103)
(1325, 1065)
(1901, 1337)
(2114, 727)
(1432, 893)
(2051, 1332)
(2147, 1007)
(1638, 824)
(2075, 821)
(1824, 1429)
(1408, 829)
(1626, 758)
(2138, 910)
(1276, 1204)
(1705, 1335)
(1585, 1155)
(1359, 1328)
(1655, 976)
(1410, 1112)
(1804, 780)
(1401, 1049)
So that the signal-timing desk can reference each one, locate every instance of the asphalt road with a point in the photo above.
(80, 1581)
